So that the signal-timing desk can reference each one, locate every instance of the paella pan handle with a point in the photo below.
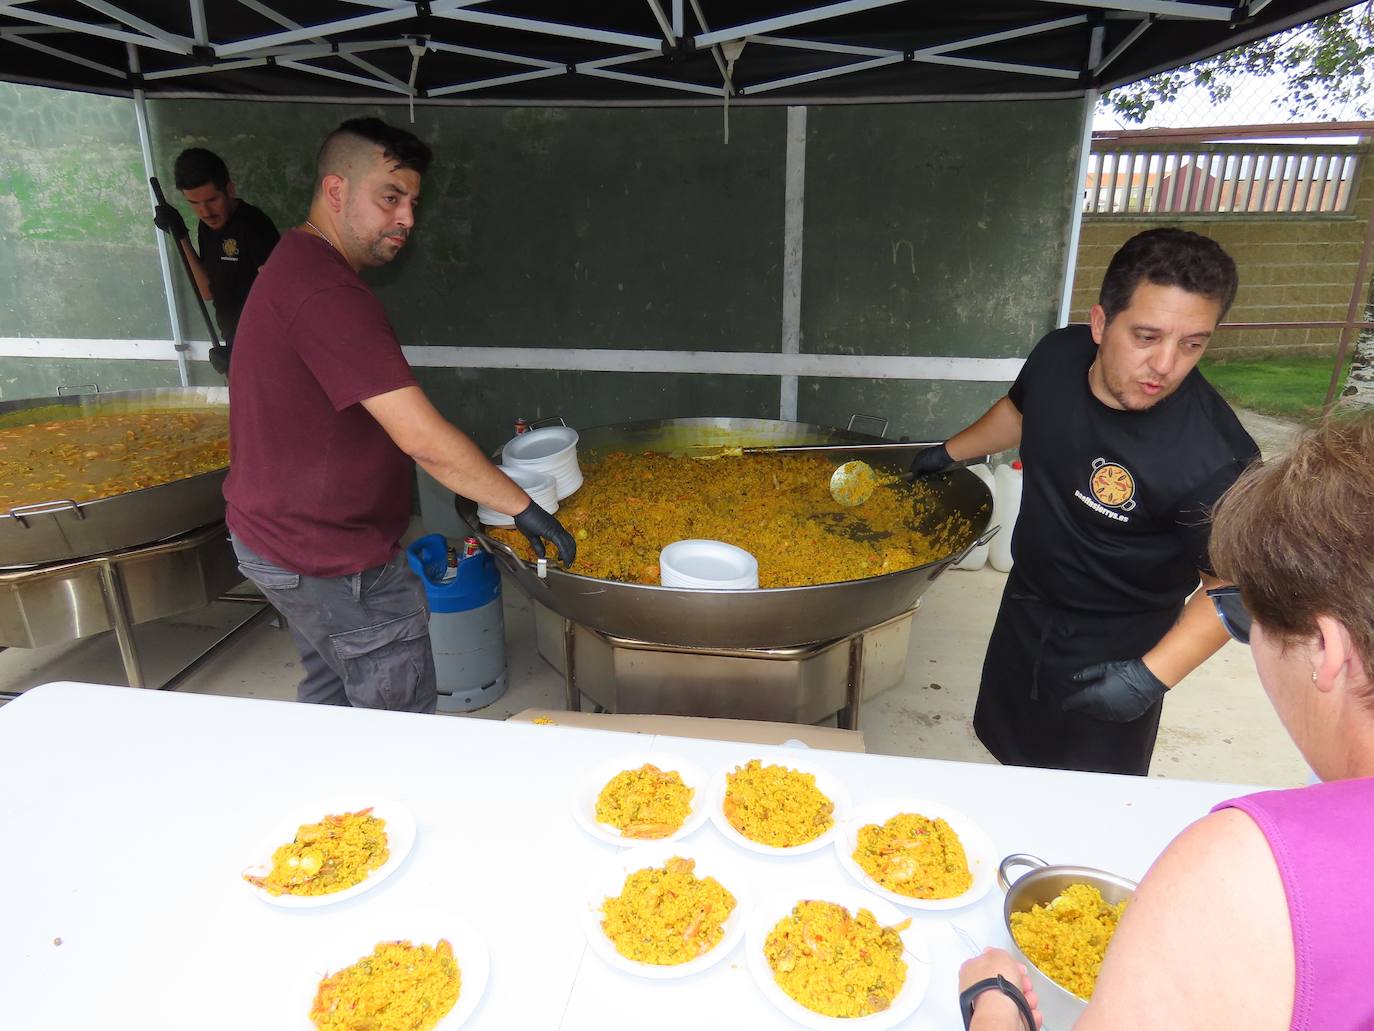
(986, 538)
(45, 508)
(78, 388)
(1014, 860)
(508, 560)
(877, 420)
(548, 422)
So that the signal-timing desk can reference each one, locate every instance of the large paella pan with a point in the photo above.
(766, 618)
(64, 523)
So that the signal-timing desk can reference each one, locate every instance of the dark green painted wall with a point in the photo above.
(936, 229)
(76, 258)
(929, 230)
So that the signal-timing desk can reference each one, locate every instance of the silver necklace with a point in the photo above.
(321, 235)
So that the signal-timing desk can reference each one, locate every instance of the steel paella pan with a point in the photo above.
(57, 529)
(765, 618)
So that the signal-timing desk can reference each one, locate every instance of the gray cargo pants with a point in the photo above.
(363, 638)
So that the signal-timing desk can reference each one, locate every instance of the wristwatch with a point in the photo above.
(969, 994)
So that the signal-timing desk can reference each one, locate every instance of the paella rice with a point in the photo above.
(1068, 937)
(645, 803)
(835, 963)
(84, 457)
(667, 915)
(776, 507)
(400, 987)
(776, 806)
(916, 856)
(336, 853)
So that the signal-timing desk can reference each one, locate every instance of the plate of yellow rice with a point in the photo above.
(917, 853)
(419, 970)
(774, 805)
(842, 959)
(641, 797)
(667, 910)
(325, 854)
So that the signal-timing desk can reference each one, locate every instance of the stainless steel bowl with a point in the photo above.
(1059, 1006)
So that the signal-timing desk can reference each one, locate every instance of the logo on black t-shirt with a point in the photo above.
(1112, 486)
(230, 247)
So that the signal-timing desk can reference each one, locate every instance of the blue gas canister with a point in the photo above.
(466, 628)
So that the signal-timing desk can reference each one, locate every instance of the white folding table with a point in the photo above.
(128, 814)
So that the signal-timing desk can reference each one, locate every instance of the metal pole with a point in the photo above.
(1361, 282)
(1085, 147)
(1076, 212)
(116, 604)
(141, 116)
(794, 208)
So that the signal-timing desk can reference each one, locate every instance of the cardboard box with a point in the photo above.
(751, 731)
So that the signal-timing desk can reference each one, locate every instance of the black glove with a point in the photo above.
(219, 358)
(1117, 692)
(535, 524)
(932, 460)
(169, 220)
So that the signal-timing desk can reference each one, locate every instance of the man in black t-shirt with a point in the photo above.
(234, 239)
(1125, 448)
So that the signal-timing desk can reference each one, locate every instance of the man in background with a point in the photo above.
(233, 238)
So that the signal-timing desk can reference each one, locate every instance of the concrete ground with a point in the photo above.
(1217, 725)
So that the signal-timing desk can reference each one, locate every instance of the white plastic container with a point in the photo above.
(1005, 507)
(541, 487)
(707, 565)
(978, 557)
(551, 450)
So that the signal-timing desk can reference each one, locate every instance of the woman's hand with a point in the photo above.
(992, 1010)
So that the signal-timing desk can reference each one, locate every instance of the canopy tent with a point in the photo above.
(620, 51)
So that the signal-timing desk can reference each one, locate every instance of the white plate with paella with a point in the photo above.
(420, 969)
(788, 806)
(323, 855)
(842, 959)
(641, 797)
(667, 910)
(917, 853)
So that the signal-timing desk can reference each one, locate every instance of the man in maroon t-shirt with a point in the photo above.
(325, 422)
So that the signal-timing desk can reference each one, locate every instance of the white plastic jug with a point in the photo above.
(978, 557)
(1006, 504)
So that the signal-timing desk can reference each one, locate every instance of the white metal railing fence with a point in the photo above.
(1140, 178)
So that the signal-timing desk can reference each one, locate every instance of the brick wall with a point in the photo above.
(1292, 269)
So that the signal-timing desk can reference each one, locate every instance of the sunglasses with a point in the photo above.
(1234, 616)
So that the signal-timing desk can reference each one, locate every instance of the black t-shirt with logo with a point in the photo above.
(1114, 509)
(232, 257)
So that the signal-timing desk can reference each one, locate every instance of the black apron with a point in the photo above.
(1035, 648)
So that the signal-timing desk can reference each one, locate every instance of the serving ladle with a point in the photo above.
(851, 484)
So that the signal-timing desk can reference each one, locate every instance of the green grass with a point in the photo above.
(1290, 388)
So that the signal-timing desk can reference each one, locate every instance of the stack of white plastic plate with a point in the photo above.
(707, 565)
(551, 450)
(541, 488)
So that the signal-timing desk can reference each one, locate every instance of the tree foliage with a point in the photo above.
(1326, 67)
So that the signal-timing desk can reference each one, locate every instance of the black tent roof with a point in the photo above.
(620, 51)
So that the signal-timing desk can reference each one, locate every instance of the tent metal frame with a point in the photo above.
(673, 29)
(297, 47)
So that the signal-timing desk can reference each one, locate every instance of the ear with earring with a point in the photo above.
(1314, 676)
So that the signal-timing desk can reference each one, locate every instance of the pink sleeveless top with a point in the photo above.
(1322, 838)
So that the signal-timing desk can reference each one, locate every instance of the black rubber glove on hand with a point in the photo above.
(219, 358)
(169, 220)
(931, 461)
(1117, 692)
(538, 526)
